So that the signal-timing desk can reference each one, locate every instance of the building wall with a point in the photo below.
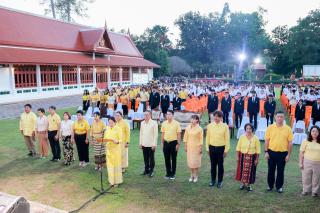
(59, 89)
(5, 83)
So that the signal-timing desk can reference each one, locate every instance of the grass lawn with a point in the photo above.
(69, 187)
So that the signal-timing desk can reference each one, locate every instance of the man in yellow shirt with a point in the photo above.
(170, 141)
(218, 145)
(54, 122)
(27, 128)
(124, 126)
(278, 147)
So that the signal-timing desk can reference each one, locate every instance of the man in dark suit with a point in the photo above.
(154, 99)
(253, 108)
(226, 107)
(270, 108)
(300, 112)
(213, 103)
(165, 102)
(238, 109)
(315, 115)
(176, 103)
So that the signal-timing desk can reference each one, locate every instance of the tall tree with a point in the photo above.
(51, 8)
(67, 9)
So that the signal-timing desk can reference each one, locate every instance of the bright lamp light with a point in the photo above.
(257, 60)
(242, 56)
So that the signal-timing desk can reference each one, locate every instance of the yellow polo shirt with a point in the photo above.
(246, 146)
(311, 150)
(218, 135)
(53, 121)
(81, 127)
(28, 123)
(279, 137)
(170, 130)
(123, 125)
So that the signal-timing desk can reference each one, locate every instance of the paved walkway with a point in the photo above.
(13, 110)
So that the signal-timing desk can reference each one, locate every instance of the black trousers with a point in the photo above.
(238, 119)
(269, 117)
(82, 147)
(133, 104)
(253, 116)
(226, 117)
(164, 110)
(315, 120)
(148, 157)
(125, 110)
(276, 162)
(170, 157)
(216, 159)
(55, 145)
(144, 105)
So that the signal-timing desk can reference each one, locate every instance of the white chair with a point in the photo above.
(299, 127)
(241, 130)
(317, 124)
(119, 107)
(110, 112)
(131, 114)
(140, 108)
(298, 138)
(96, 109)
(311, 124)
(89, 112)
(90, 120)
(261, 129)
(80, 108)
(105, 121)
(73, 117)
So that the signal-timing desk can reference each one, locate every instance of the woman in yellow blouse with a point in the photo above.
(113, 134)
(103, 103)
(310, 163)
(193, 139)
(248, 151)
(124, 99)
(80, 137)
(85, 100)
(99, 150)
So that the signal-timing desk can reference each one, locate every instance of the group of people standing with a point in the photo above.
(111, 142)
(51, 130)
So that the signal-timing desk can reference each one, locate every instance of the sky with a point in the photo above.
(137, 15)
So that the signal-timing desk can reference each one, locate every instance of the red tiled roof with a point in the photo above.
(28, 30)
(37, 56)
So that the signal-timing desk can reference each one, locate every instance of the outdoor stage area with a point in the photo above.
(68, 188)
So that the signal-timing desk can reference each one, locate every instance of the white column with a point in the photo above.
(130, 75)
(60, 77)
(79, 77)
(120, 76)
(94, 76)
(38, 74)
(12, 81)
(109, 76)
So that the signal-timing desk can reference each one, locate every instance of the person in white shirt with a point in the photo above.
(42, 133)
(65, 134)
(148, 142)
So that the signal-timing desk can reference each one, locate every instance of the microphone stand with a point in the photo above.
(100, 191)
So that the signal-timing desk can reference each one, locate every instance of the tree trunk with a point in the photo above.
(53, 9)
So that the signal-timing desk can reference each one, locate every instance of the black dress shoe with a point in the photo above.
(219, 185)
(144, 173)
(212, 183)
(30, 154)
